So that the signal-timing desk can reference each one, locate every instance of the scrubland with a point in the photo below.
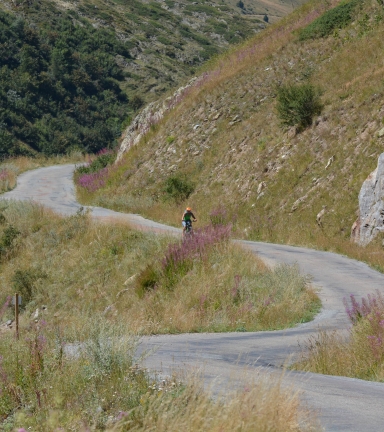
(76, 268)
(89, 290)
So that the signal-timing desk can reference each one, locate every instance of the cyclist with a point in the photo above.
(187, 218)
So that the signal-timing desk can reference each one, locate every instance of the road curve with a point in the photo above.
(343, 404)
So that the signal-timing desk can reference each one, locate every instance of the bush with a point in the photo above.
(104, 158)
(146, 281)
(178, 188)
(336, 18)
(8, 238)
(24, 282)
(297, 104)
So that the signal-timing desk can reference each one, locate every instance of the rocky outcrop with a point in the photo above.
(149, 116)
(371, 206)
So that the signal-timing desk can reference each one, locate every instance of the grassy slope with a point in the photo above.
(240, 142)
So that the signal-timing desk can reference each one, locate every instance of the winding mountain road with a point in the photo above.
(342, 404)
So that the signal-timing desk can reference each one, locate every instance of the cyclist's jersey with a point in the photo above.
(187, 216)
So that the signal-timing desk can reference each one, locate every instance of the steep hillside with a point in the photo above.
(225, 138)
(73, 73)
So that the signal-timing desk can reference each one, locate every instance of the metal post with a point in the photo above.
(17, 314)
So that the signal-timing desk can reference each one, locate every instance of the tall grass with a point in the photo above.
(360, 354)
(69, 268)
(49, 384)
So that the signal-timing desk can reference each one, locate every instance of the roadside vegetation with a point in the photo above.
(50, 384)
(88, 290)
(358, 354)
(75, 268)
(227, 140)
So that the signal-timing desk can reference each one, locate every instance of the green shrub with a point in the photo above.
(178, 188)
(24, 282)
(336, 18)
(146, 281)
(297, 104)
(8, 238)
(104, 159)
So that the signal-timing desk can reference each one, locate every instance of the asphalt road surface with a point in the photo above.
(233, 359)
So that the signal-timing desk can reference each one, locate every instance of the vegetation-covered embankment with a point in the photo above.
(359, 354)
(227, 145)
(77, 269)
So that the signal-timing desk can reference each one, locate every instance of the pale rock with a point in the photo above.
(320, 215)
(292, 132)
(130, 280)
(196, 127)
(261, 187)
(149, 116)
(371, 206)
(330, 161)
(381, 133)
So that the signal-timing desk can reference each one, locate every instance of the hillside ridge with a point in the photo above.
(226, 139)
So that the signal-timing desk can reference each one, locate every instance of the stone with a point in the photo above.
(9, 323)
(330, 161)
(130, 280)
(371, 207)
(381, 133)
(320, 215)
(292, 132)
(261, 187)
(148, 117)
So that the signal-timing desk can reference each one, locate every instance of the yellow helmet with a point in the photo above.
(189, 209)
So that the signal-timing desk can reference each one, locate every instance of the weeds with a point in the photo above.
(178, 188)
(358, 355)
(48, 384)
(78, 269)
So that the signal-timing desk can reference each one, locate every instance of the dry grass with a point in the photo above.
(73, 366)
(358, 353)
(48, 384)
(76, 268)
(253, 409)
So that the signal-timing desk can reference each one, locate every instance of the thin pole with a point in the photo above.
(17, 314)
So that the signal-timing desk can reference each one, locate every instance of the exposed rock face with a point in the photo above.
(148, 117)
(371, 206)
